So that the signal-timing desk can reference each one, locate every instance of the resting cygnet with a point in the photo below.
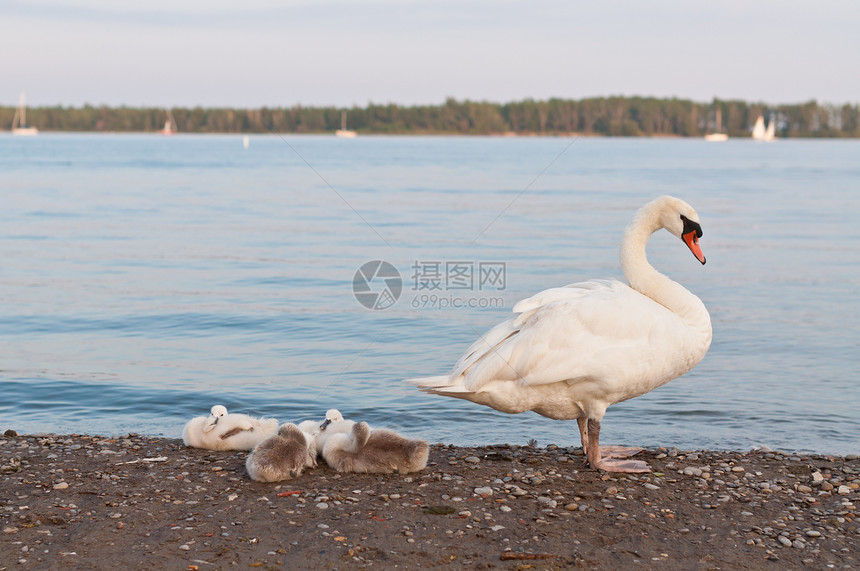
(282, 456)
(223, 431)
(334, 423)
(380, 451)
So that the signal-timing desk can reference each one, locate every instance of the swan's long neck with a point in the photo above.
(642, 276)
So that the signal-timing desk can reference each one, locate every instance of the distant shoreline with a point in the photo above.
(599, 116)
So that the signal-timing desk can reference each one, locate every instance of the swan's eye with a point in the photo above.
(690, 226)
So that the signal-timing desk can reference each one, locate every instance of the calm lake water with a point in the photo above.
(146, 278)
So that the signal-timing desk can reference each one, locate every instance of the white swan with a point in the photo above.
(282, 456)
(223, 431)
(570, 352)
(380, 451)
(333, 423)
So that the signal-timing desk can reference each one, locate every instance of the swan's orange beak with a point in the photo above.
(692, 241)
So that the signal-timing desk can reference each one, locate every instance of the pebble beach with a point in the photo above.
(92, 502)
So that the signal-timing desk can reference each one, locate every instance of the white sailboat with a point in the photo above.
(343, 131)
(169, 125)
(758, 129)
(19, 122)
(759, 133)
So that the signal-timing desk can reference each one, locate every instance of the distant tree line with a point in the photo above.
(607, 116)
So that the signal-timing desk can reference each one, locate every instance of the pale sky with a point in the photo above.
(252, 53)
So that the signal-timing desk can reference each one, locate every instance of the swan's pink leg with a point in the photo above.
(583, 432)
(608, 464)
(606, 451)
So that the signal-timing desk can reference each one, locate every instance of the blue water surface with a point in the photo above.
(145, 278)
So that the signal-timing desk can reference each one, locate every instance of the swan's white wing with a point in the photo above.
(487, 342)
(593, 330)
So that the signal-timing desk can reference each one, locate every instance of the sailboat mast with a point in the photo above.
(343, 119)
(22, 108)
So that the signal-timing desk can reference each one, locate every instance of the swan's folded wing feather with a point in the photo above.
(487, 345)
(574, 331)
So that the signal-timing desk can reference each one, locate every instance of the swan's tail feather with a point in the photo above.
(450, 390)
(439, 386)
(430, 383)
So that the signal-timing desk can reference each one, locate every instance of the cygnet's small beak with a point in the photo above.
(324, 424)
(213, 420)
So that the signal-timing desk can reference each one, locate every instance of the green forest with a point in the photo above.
(601, 116)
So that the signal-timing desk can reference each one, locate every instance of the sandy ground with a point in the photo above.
(89, 502)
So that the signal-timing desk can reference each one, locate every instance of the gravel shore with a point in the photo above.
(90, 502)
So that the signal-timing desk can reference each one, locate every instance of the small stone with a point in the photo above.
(737, 469)
(804, 489)
(848, 457)
(322, 505)
(813, 533)
(497, 528)
(817, 478)
(61, 485)
(505, 509)
(548, 502)
(826, 486)
(651, 486)
(843, 490)
(10, 529)
(784, 541)
(611, 490)
(185, 547)
(484, 492)
(472, 460)
(571, 507)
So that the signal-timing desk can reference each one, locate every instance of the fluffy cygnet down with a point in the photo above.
(380, 451)
(282, 456)
(223, 431)
(333, 423)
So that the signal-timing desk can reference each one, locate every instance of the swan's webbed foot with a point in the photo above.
(619, 451)
(613, 461)
(619, 465)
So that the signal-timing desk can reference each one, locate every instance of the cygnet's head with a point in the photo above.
(215, 415)
(331, 415)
